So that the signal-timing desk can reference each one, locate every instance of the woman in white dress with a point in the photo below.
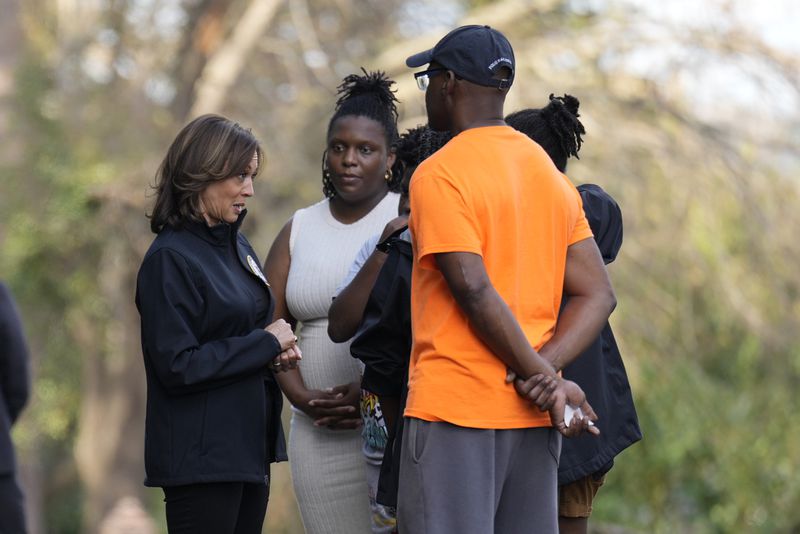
(306, 263)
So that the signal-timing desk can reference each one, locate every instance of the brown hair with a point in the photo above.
(208, 149)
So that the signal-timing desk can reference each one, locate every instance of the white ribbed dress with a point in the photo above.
(327, 465)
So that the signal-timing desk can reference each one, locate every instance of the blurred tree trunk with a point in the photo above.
(207, 29)
(11, 39)
(104, 324)
(11, 154)
(108, 448)
(230, 58)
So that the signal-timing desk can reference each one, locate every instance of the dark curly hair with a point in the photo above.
(415, 146)
(419, 143)
(555, 127)
(369, 95)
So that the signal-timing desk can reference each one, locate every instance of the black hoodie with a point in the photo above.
(599, 370)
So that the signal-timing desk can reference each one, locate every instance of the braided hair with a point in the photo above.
(555, 127)
(369, 95)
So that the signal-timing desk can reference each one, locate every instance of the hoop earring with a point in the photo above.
(326, 173)
(327, 184)
(388, 175)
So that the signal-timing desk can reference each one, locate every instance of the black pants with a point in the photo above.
(216, 508)
(12, 509)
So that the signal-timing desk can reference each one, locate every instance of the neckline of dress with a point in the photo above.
(333, 221)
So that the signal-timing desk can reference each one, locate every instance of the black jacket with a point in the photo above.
(383, 343)
(14, 376)
(383, 340)
(599, 370)
(213, 407)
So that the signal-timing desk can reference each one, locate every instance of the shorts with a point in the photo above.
(575, 499)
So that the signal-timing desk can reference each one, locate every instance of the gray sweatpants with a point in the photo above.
(476, 481)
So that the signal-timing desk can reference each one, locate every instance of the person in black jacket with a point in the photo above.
(382, 340)
(14, 392)
(213, 405)
(599, 370)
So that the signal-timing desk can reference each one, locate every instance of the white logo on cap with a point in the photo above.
(494, 63)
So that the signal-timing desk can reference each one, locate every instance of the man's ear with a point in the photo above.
(449, 82)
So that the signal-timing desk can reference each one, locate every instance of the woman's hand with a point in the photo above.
(336, 408)
(283, 333)
(286, 360)
(290, 354)
(393, 226)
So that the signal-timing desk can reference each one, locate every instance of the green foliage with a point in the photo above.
(715, 374)
(712, 460)
(63, 512)
(49, 243)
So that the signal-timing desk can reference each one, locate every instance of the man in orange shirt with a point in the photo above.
(498, 233)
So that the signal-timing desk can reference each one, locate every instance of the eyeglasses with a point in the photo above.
(424, 78)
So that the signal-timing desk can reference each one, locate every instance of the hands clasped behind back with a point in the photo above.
(290, 354)
(553, 394)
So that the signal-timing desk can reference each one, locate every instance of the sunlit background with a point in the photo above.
(691, 109)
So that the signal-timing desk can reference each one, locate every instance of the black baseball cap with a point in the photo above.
(474, 53)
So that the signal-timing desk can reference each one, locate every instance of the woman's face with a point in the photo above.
(225, 200)
(358, 158)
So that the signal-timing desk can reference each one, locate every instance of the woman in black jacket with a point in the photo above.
(213, 406)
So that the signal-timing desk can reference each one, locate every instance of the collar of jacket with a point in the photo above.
(220, 235)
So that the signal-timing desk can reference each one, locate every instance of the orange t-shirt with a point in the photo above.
(493, 192)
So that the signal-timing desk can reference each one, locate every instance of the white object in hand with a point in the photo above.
(570, 412)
